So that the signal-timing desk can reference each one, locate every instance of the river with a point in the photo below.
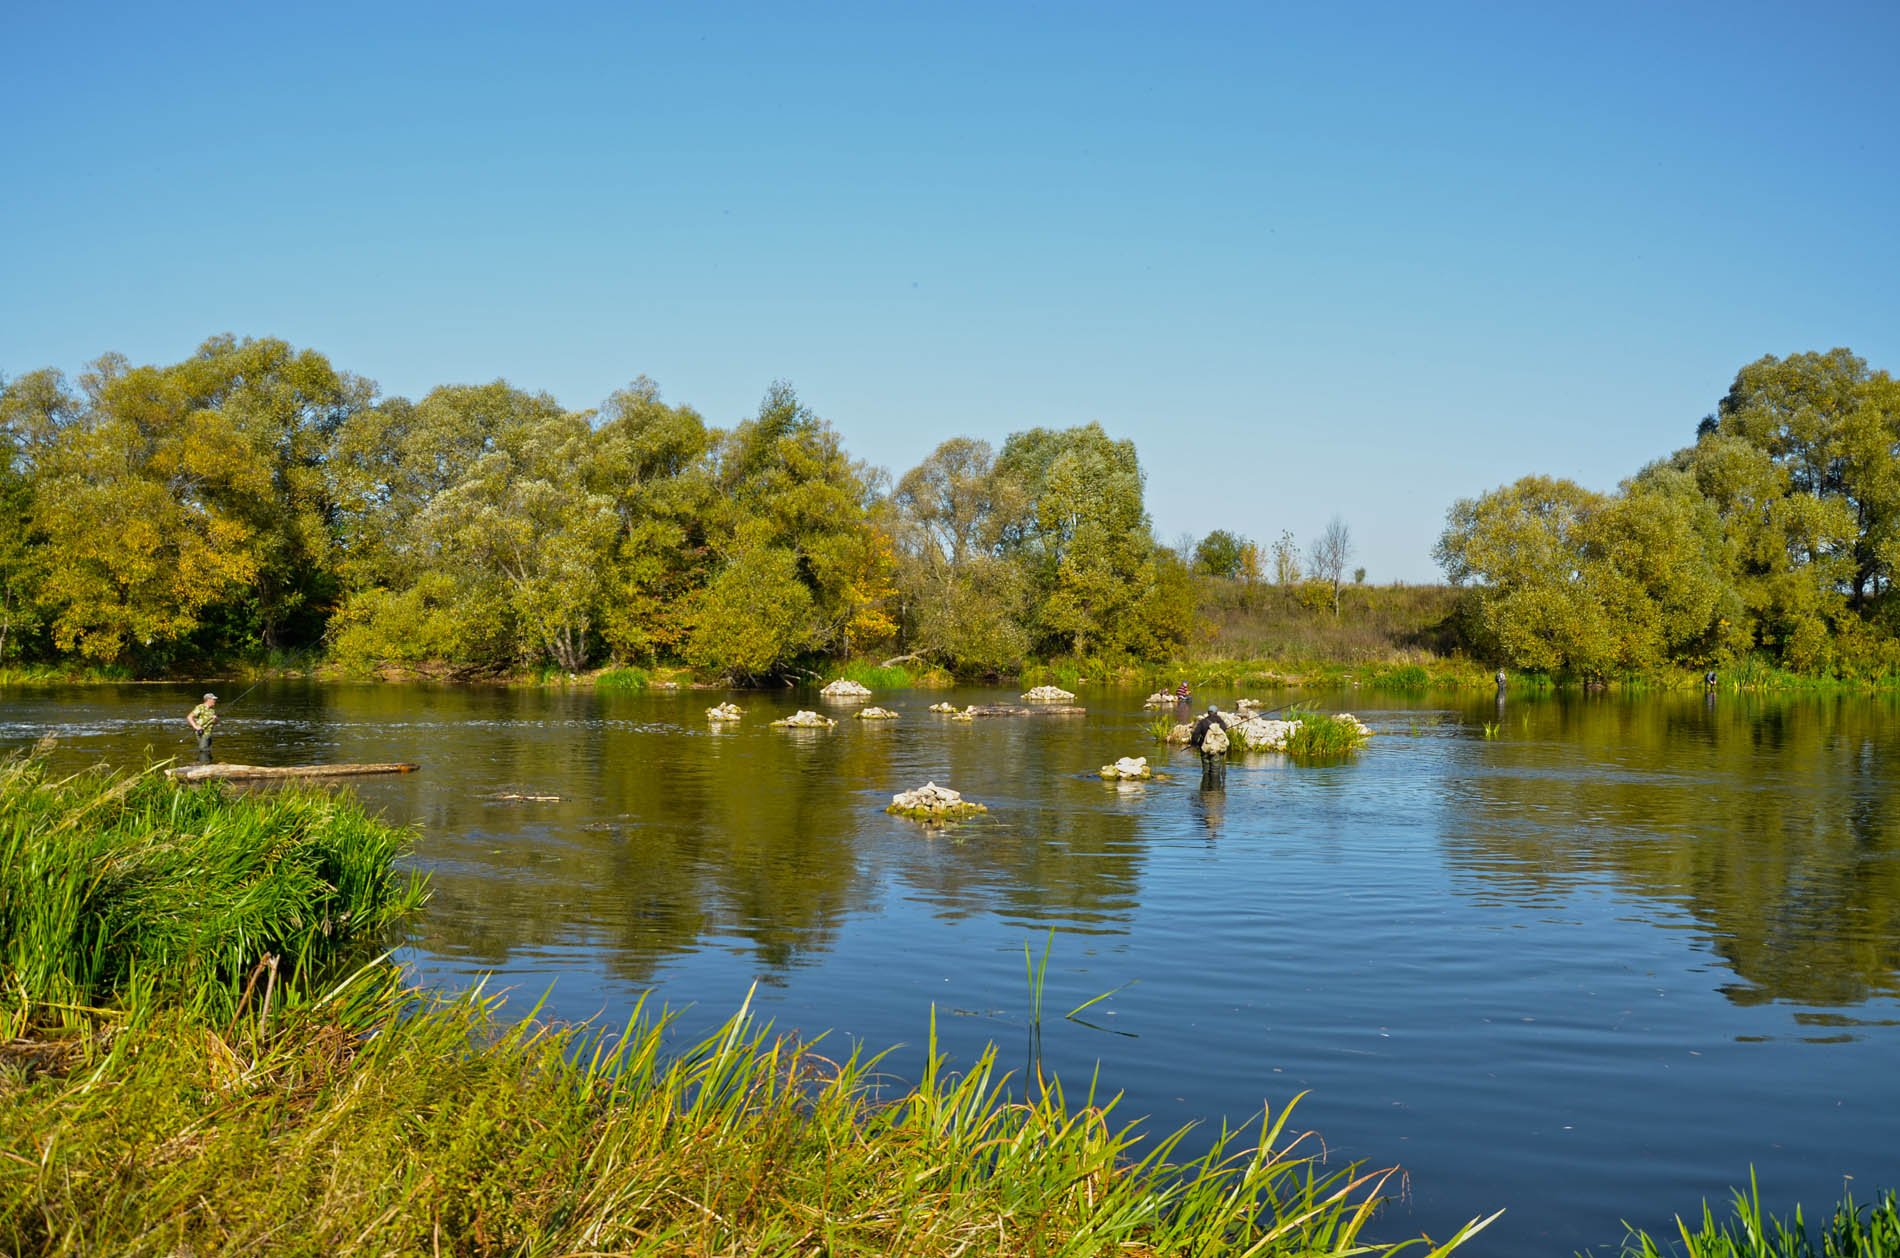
(1584, 957)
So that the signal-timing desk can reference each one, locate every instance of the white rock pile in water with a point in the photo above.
(943, 707)
(844, 688)
(804, 720)
(1048, 694)
(876, 714)
(1161, 699)
(725, 712)
(968, 714)
(1259, 733)
(1128, 768)
(931, 802)
(1246, 704)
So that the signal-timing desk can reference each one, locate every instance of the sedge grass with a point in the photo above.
(122, 890)
(1853, 1231)
(449, 1129)
(1323, 736)
(622, 677)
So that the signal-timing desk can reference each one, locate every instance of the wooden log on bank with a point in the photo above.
(256, 773)
(1010, 709)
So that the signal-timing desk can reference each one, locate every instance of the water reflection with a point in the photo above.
(1775, 823)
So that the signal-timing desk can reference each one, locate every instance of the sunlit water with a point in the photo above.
(1589, 969)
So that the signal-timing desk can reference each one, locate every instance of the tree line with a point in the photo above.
(1775, 535)
(255, 498)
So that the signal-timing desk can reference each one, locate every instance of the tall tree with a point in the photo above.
(1332, 550)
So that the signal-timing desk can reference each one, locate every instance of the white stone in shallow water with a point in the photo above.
(1161, 699)
(1127, 768)
(1048, 694)
(877, 714)
(725, 712)
(931, 802)
(943, 707)
(845, 689)
(805, 720)
(1259, 733)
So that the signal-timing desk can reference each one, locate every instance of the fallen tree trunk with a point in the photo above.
(252, 772)
(1010, 709)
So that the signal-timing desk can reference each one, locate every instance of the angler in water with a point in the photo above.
(203, 719)
(1209, 737)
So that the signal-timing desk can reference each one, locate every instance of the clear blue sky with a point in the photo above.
(1335, 258)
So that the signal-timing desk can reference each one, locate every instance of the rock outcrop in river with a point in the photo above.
(804, 720)
(877, 714)
(931, 802)
(1048, 694)
(1127, 769)
(725, 712)
(844, 688)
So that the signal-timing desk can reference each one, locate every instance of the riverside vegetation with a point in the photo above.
(201, 1053)
(255, 503)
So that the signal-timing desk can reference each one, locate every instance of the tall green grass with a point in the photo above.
(877, 677)
(1853, 1231)
(1322, 736)
(622, 677)
(451, 1130)
(129, 891)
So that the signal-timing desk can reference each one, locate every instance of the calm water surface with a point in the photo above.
(1589, 969)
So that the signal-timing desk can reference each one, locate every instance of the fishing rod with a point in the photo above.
(253, 686)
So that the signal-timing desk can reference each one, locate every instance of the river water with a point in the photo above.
(1588, 964)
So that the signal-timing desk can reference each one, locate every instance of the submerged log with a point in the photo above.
(252, 772)
(1010, 709)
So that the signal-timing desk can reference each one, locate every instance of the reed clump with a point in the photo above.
(1325, 735)
(130, 892)
(1750, 1231)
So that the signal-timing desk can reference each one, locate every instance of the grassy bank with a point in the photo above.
(196, 1059)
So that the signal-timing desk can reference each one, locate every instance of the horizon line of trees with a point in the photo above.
(1777, 533)
(253, 498)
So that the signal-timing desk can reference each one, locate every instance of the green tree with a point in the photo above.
(784, 483)
(1519, 551)
(1833, 426)
(148, 499)
(1082, 535)
(757, 614)
(655, 462)
(32, 408)
(1220, 554)
(964, 604)
(481, 529)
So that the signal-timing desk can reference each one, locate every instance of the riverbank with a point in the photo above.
(199, 1053)
(1412, 673)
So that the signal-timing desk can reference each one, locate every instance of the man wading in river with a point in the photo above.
(1210, 739)
(201, 719)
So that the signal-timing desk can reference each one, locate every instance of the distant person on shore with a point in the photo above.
(202, 720)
